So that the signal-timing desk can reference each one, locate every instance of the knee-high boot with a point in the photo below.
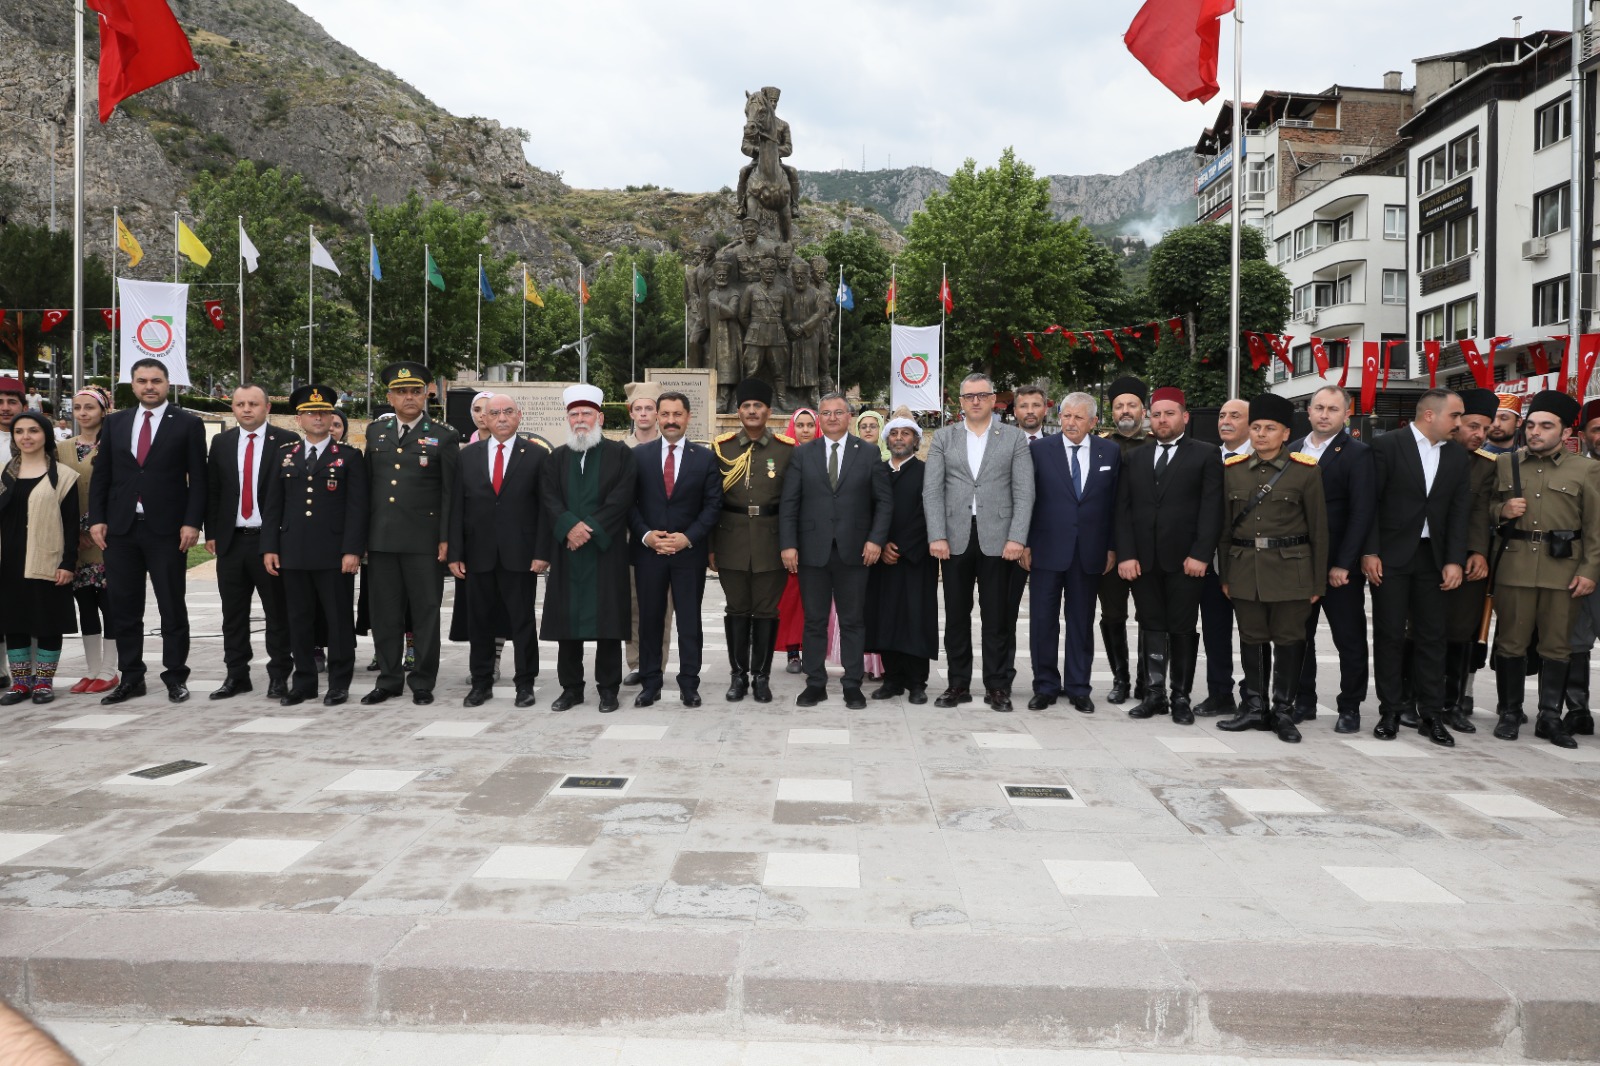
(763, 638)
(1114, 638)
(737, 628)
(1458, 686)
(1579, 721)
(1286, 662)
(1252, 714)
(1552, 688)
(1155, 656)
(1510, 677)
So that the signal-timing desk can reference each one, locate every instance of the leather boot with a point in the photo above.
(1286, 662)
(1115, 641)
(737, 628)
(1579, 721)
(1185, 648)
(1252, 708)
(1510, 676)
(1552, 689)
(763, 637)
(1458, 686)
(1154, 659)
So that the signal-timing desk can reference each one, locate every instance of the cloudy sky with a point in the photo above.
(652, 91)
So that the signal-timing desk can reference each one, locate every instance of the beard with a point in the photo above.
(902, 451)
(1127, 426)
(584, 440)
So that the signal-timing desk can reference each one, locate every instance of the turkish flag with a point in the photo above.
(214, 313)
(1034, 348)
(1388, 346)
(1071, 338)
(1175, 327)
(141, 45)
(1176, 40)
(1482, 372)
(1280, 348)
(1344, 371)
(1155, 330)
(1260, 354)
(1088, 335)
(1430, 352)
(1369, 375)
(112, 318)
(52, 319)
(1566, 347)
(945, 297)
(1319, 352)
(1112, 337)
(1588, 348)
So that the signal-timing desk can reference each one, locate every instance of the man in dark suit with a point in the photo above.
(1069, 548)
(677, 503)
(832, 525)
(1217, 625)
(1416, 551)
(1169, 515)
(147, 502)
(315, 533)
(1350, 493)
(494, 542)
(240, 464)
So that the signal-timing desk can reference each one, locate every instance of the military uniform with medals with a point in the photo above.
(413, 471)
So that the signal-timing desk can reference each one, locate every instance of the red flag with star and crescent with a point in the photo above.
(1319, 352)
(112, 318)
(53, 318)
(944, 296)
(1369, 375)
(214, 313)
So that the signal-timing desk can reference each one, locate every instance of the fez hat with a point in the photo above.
(1169, 392)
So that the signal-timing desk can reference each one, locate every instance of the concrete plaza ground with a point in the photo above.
(858, 880)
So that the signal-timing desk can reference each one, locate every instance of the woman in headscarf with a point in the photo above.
(480, 417)
(38, 557)
(791, 618)
(869, 427)
(89, 407)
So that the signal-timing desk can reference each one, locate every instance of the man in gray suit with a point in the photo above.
(978, 496)
(832, 526)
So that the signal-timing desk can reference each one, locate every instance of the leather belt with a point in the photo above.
(753, 511)
(1537, 535)
(1270, 542)
(247, 531)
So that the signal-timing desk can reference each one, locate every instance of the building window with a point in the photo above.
(1430, 171)
(1394, 222)
(1309, 297)
(1338, 352)
(1462, 318)
(1431, 249)
(1394, 286)
(1257, 179)
(1462, 236)
(1550, 211)
(1301, 355)
(1344, 227)
(1430, 324)
(1552, 123)
(1343, 289)
(1399, 355)
(1285, 246)
(1463, 154)
(1550, 301)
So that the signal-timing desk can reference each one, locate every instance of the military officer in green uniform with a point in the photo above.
(411, 463)
(1549, 501)
(1273, 562)
(1464, 603)
(1127, 397)
(744, 548)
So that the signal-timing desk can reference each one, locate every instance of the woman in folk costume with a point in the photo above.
(38, 557)
(791, 618)
(90, 407)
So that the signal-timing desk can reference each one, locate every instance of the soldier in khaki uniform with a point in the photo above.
(1549, 500)
(1127, 397)
(744, 548)
(1273, 562)
(1464, 604)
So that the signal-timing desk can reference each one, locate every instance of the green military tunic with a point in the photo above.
(1276, 559)
(1465, 602)
(1531, 586)
(745, 542)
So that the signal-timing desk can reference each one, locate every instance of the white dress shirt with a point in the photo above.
(314, 450)
(677, 463)
(493, 447)
(1082, 449)
(1310, 446)
(239, 519)
(1171, 452)
(1429, 453)
(156, 415)
(976, 445)
(1230, 450)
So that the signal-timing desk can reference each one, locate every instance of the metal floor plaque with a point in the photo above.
(1039, 792)
(603, 784)
(166, 769)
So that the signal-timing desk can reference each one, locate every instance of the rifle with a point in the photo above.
(1505, 529)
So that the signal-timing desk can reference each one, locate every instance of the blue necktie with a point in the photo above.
(1077, 474)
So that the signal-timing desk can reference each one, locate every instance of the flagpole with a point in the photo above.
(77, 209)
(524, 320)
(633, 328)
(372, 250)
(583, 349)
(477, 336)
(944, 283)
(425, 254)
(174, 247)
(838, 348)
(116, 248)
(1238, 199)
(241, 299)
(311, 284)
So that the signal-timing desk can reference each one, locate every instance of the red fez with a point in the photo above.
(1168, 392)
(1591, 411)
(1510, 401)
(11, 384)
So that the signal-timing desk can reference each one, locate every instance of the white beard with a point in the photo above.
(582, 442)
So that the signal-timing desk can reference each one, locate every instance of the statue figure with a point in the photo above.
(748, 252)
(821, 281)
(767, 181)
(724, 343)
(811, 304)
(765, 310)
(696, 282)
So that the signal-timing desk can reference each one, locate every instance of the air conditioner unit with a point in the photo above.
(1347, 159)
(1535, 248)
(1308, 316)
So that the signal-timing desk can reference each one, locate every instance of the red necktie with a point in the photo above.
(499, 467)
(670, 474)
(247, 491)
(144, 440)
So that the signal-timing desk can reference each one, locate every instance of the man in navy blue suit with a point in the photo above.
(1069, 548)
(1349, 485)
(677, 502)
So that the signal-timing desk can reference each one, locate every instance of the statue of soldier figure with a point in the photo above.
(812, 304)
(766, 310)
(697, 280)
(821, 282)
(724, 335)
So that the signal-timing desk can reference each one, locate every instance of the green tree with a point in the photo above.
(1012, 266)
(1190, 274)
(613, 315)
(864, 357)
(550, 327)
(36, 272)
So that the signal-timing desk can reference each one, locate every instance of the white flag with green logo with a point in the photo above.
(914, 380)
(155, 326)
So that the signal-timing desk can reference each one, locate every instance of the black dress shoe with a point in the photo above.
(122, 692)
(1554, 731)
(1182, 715)
(997, 699)
(608, 700)
(478, 696)
(377, 696)
(1214, 706)
(16, 696)
(1409, 719)
(854, 699)
(277, 690)
(645, 699)
(632, 678)
(1305, 714)
(1349, 722)
(1082, 704)
(373, 665)
(811, 696)
(1434, 730)
(952, 696)
(690, 699)
(293, 699)
(525, 697)
(1459, 722)
(887, 691)
(1041, 702)
(569, 698)
(422, 699)
(177, 693)
(917, 694)
(1118, 692)
(335, 697)
(1388, 727)
(232, 687)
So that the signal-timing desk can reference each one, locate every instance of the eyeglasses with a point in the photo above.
(977, 395)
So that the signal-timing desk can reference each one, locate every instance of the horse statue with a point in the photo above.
(767, 182)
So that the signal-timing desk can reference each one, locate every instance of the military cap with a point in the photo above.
(404, 375)
(1480, 402)
(1561, 405)
(1271, 407)
(641, 390)
(753, 389)
(1123, 386)
(312, 398)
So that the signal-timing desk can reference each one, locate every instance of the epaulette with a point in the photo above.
(1303, 458)
(1487, 454)
(784, 439)
(1230, 460)
(294, 443)
(541, 443)
(732, 433)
